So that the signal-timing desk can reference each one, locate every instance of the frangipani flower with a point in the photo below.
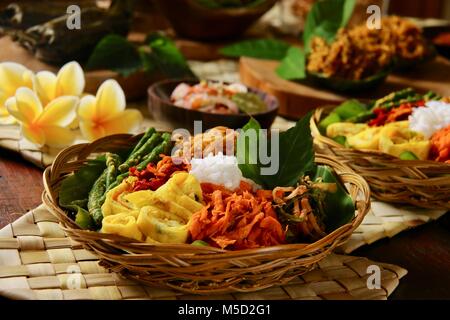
(12, 77)
(68, 82)
(41, 125)
(105, 113)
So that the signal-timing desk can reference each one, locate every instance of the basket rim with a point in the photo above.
(336, 237)
(324, 139)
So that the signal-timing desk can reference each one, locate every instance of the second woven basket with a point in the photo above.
(419, 183)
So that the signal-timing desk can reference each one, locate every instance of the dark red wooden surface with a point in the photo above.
(20, 187)
(424, 251)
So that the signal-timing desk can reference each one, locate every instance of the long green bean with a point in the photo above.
(137, 156)
(143, 140)
(112, 163)
(96, 198)
(163, 148)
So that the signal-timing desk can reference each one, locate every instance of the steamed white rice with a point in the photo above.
(218, 169)
(434, 117)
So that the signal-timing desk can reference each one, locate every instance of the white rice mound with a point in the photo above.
(434, 117)
(219, 169)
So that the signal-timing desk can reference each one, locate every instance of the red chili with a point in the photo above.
(154, 176)
(400, 113)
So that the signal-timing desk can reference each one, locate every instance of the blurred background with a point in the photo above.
(287, 14)
(37, 37)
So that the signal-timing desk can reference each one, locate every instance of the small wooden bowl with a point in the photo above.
(191, 20)
(162, 109)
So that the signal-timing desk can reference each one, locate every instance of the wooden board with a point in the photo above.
(297, 99)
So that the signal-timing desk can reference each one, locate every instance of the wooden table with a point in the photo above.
(424, 251)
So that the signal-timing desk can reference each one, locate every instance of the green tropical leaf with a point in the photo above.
(296, 155)
(350, 108)
(270, 49)
(75, 188)
(166, 57)
(325, 18)
(338, 206)
(247, 153)
(292, 67)
(115, 53)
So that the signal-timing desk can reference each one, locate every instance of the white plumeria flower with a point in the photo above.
(12, 77)
(105, 113)
(44, 125)
(69, 81)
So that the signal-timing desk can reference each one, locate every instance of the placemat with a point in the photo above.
(385, 220)
(37, 261)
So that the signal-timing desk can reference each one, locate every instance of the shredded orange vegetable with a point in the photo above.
(440, 145)
(237, 219)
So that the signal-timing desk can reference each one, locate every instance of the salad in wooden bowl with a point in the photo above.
(182, 102)
(206, 213)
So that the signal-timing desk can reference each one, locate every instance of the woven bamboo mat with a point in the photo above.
(385, 221)
(37, 261)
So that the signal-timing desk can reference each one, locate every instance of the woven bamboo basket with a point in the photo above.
(419, 183)
(197, 269)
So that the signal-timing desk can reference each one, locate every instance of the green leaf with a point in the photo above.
(166, 57)
(200, 243)
(341, 140)
(408, 155)
(333, 117)
(75, 188)
(350, 108)
(247, 153)
(338, 206)
(115, 53)
(362, 117)
(84, 219)
(270, 49)
(325, 18)
(296, 155)
(292, 67)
